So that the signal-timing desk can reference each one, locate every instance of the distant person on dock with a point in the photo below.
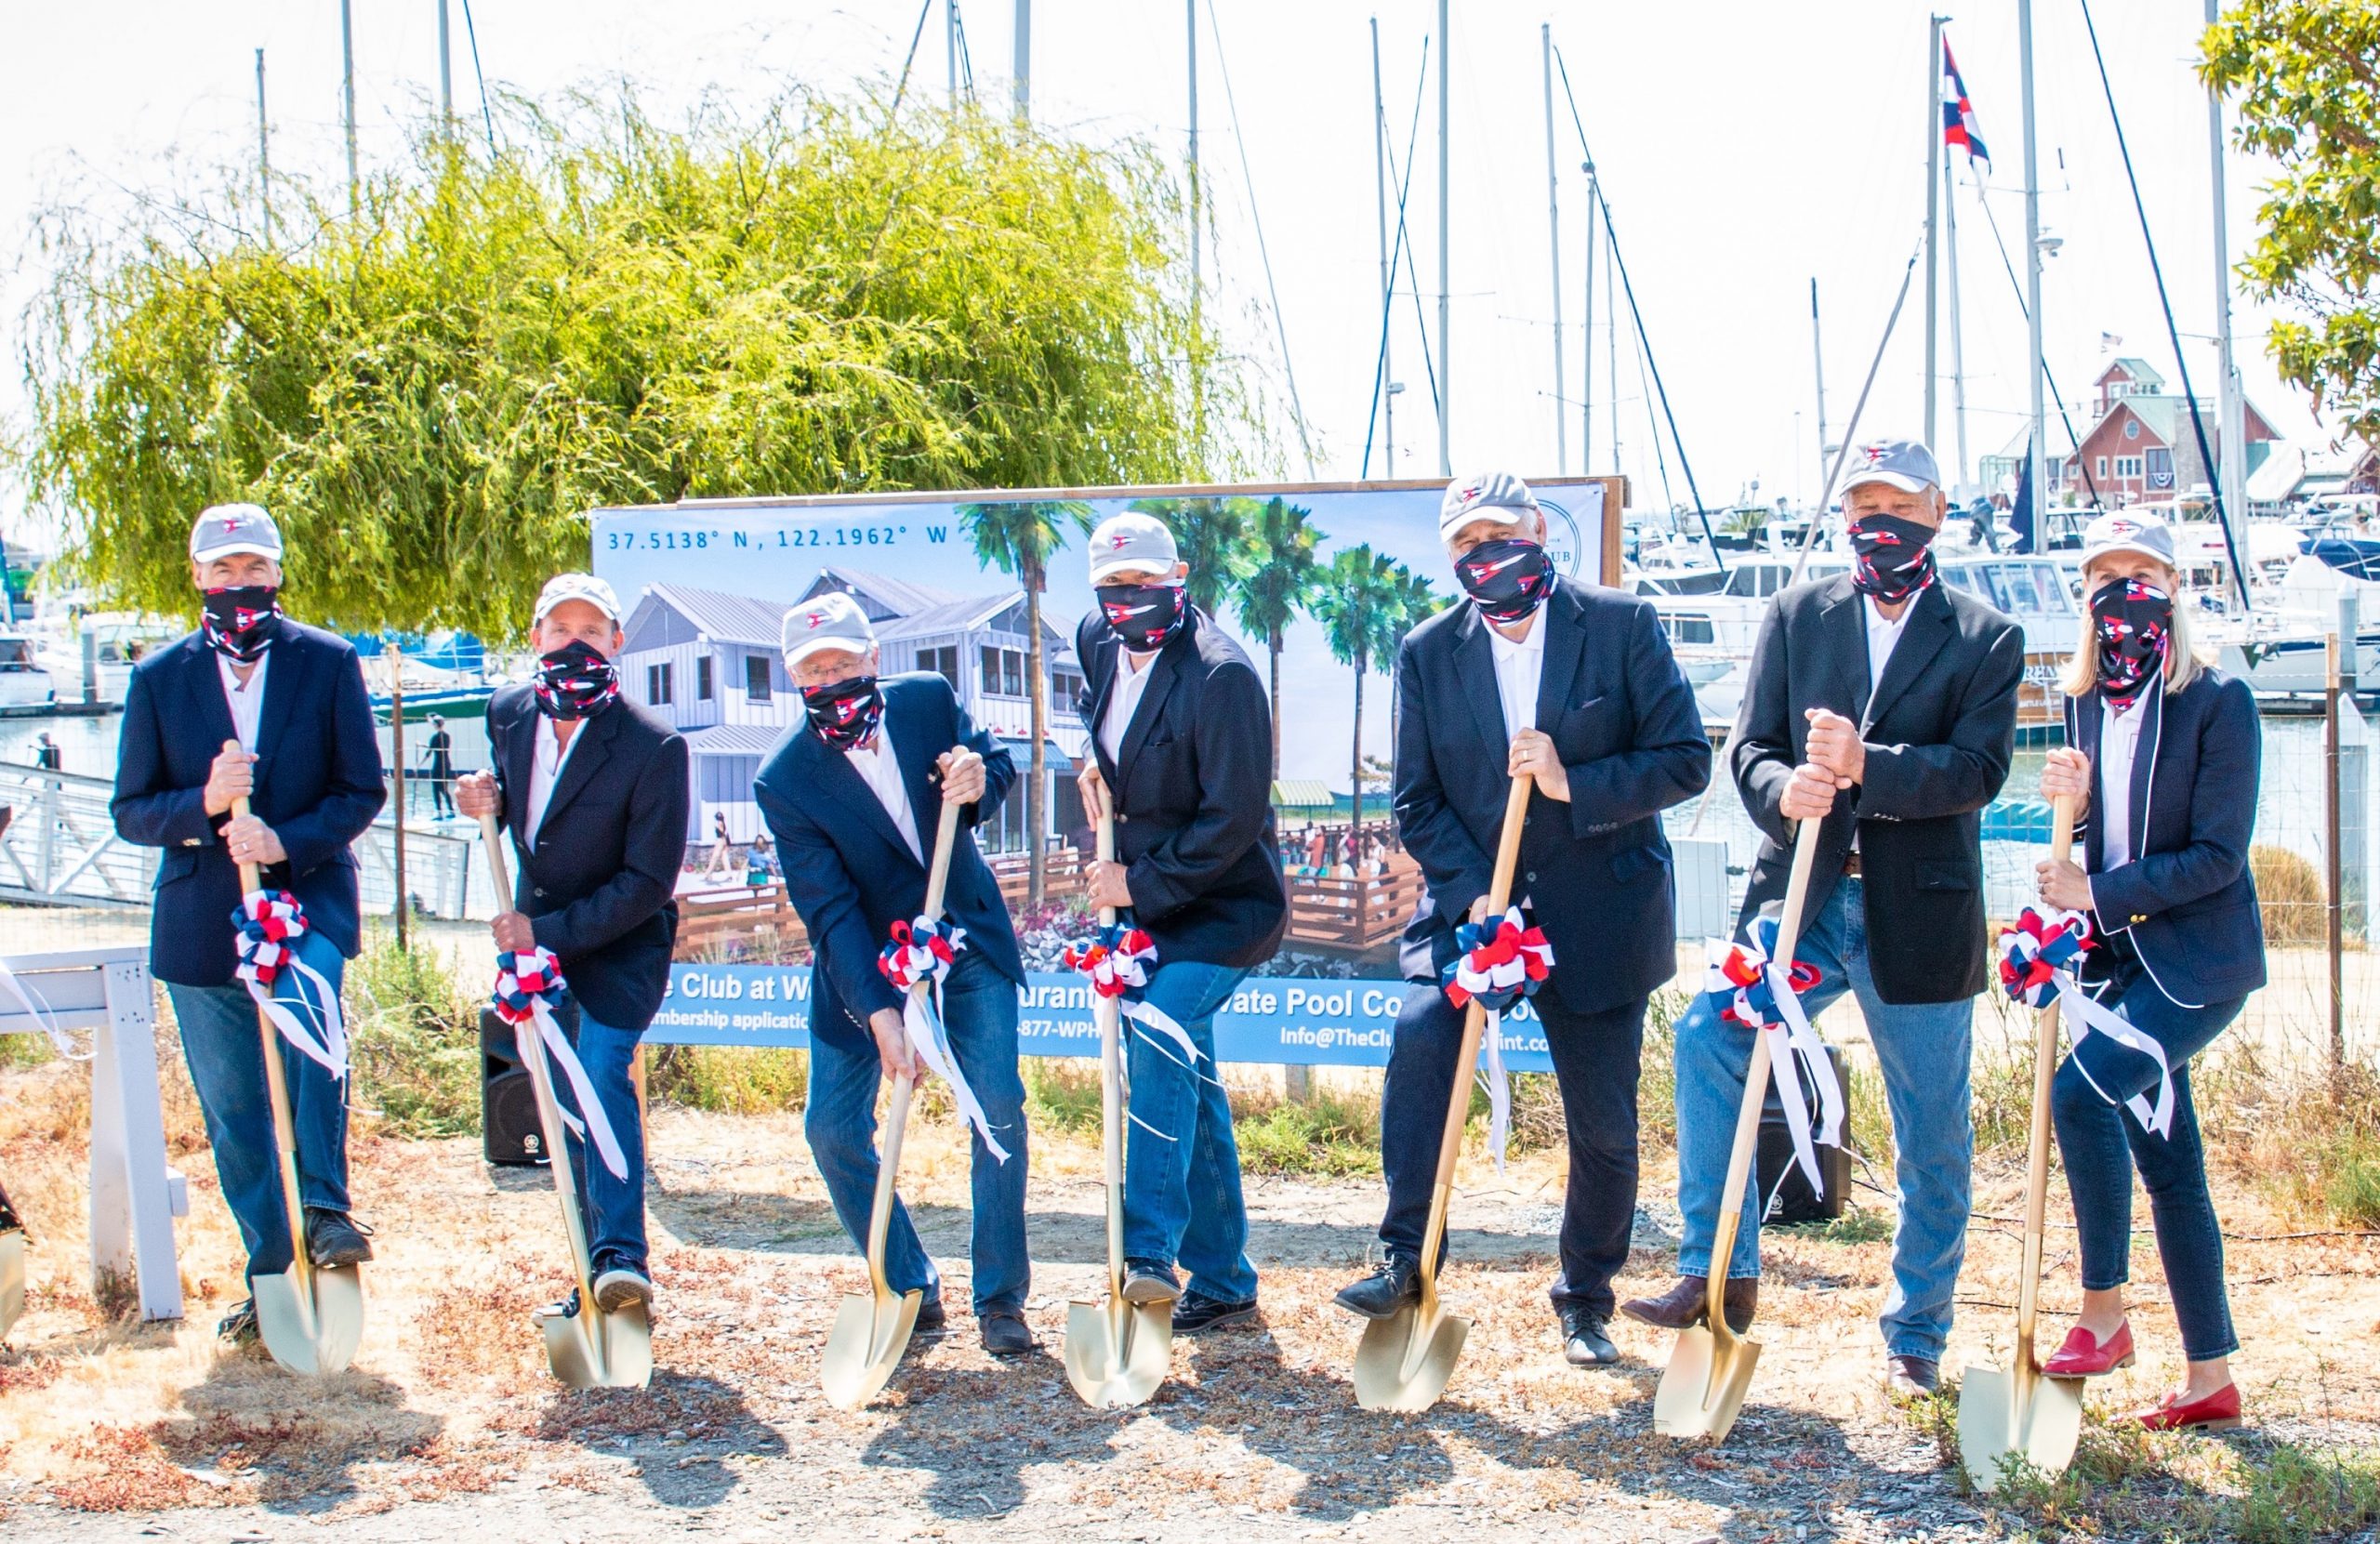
(1882, 703)
(46, 755)
(722, 849)
(593, 788)
(441, 760)
(2173, 909)
(1574, 688)
(201, 730)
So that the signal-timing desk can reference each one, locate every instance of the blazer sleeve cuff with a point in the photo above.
(2119, 896)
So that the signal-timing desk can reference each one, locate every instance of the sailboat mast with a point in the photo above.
(1818, 367)
(1587, 343)
(2232, 455)
(1387, 274)
(1554, 229)
(1445, 248)
(2035, 468)
(1957, 348)
(1932, 214)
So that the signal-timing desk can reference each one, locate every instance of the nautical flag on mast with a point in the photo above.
(1959, 126)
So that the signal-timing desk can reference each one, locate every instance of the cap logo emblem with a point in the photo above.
(1118, 540)
(815, 619)
(1876, 454)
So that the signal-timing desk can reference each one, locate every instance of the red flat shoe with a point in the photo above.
(2084, 1356)
(2218, 1412)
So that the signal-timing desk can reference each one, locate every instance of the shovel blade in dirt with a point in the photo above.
(1702, 1389)
(871, 1331)
(1116, 1353)
(599, 1351)
(1999, 1420)
(313, 1320)
(1404, 1361)
(12, 1279)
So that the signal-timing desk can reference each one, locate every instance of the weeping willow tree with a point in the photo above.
(432, 393)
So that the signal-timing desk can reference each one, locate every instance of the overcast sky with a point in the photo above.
(1746, 148)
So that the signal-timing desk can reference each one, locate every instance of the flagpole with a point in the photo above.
(1554, 227)
(2034, 469)
(2231, 451)
(1934, 159)
(1958, 350)
(1445, 248)
(1818, 367)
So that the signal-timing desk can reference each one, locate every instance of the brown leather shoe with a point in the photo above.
(1911, 1376)
(1688, 1303)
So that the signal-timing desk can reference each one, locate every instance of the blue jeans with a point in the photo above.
(2100, 1143)
(612, 1210)
(1182, 1200)
(978, 1009)
(226, 1059)
(1924, 1049)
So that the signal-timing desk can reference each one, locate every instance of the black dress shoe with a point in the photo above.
(1006, 1334)
(333, 1239)
(1585, 1344)
(1688, 1303)
(1196, 1311)
(1146, 1284)
(239, 1326)
(933, 1319)
(1395, 1283)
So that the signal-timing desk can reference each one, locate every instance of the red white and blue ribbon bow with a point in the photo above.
(528, 988)
(1750, 989)
(1117, 957)
(1497, 964)
(269, 929)
(2037, 960)
(919, 956)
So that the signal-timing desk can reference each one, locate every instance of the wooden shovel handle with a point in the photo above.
(276, 1079)
(2061, 847)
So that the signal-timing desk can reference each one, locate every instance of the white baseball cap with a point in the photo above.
(1498, 496)
(2125, 531)
(224, 530)
(577, 586)
(1132, 542)
(1903, 464)
(832, 621)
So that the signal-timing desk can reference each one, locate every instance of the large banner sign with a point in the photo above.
(1289, 1020)
(708, 582)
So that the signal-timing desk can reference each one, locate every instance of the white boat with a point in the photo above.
(24, 684)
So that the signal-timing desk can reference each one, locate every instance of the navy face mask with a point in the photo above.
(844, 713)
(574, 681)
(240, 623)
(1144, 616)
(1894, 557)
(1507, 579)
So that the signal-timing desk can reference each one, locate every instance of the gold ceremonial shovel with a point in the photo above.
(2019, 1412)
(12, 1266)
(872, 1328)
(589, 1349)
(1116, 1352)
(1703, 1389)
(1403, 1362)
(310, 1319)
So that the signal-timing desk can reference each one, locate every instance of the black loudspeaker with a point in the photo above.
(508, 1103)
(1790, 1198)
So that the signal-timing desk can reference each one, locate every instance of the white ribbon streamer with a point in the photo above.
(2087, 1017)
(597, 1127)
(330, 1050)
(1794, 1050)
(929, 1037)
(41, 1015)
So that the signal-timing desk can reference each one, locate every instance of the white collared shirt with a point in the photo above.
(246, 702)
(1520, 665)
(1884, 636)
(880, 770)
(2118, 746)
(1124, 699)
(547, 757)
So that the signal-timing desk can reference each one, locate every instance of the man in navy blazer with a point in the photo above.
(1574, 686)
(251, 706)
(854, 794)
(593, 788)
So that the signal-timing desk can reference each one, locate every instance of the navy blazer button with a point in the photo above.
(1121, 817)
(1532, 877)
(539, 891)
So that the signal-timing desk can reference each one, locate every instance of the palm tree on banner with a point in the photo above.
(1279, 583)
(1020, 537)
(1357, 603)
(1212, 536)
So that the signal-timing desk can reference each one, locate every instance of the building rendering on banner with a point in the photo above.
(707, 661)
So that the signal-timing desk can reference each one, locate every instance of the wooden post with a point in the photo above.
(2332, 893)
(397, 755)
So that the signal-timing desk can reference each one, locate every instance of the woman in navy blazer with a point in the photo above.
(2162, 754)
